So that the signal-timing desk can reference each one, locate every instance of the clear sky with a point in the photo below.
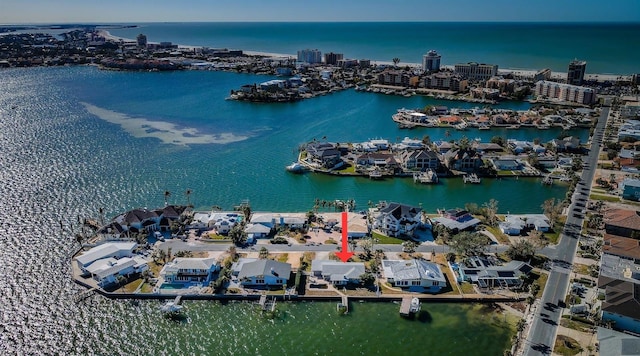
(71, 11)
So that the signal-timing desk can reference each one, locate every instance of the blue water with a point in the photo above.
(77, 139)
(605, 47)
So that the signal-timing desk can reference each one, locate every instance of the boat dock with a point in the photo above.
(405, 306)
(266, 304)
(471, 178)
(84, 295)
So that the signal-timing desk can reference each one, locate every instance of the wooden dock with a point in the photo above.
(84, 295)
(405, 306)
(267, 305)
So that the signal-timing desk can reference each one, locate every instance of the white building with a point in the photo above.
(189, 270)
(310, 56)
(110, 249)
(565, 92)
(417, 275)
(263, 273)
(476, 71)
(337, 272)
(107, 270)
(431, 61)
(398, 219)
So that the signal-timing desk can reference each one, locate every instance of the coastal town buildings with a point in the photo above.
(575, 73)
(446, 81)
(630, 189)
(565, 92)
(431, 61)
(476, 71)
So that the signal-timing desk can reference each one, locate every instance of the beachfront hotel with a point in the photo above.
(575, 74)
(310, 56)
(476, 71)
(332, 58)
(431, 61)
(565, 92)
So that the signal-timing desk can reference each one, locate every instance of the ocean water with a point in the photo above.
(76, 139)
(605, 47)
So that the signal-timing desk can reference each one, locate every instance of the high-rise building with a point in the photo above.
(475, 71)
(310, 56)
(142, 40)
(431, 61)
(332, 58)
(575, 75)
(565, 92)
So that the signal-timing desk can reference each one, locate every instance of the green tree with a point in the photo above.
(498, 140)
(467, 244)
(264, 253)
(237, 234)
(522, 250)
(409, 246)
(552, 209)
(367, 279)
(395, 61)
(367, 246)
(490, 209)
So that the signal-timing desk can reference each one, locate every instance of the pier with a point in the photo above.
(84, 295)
(405, 306)
(266, 304)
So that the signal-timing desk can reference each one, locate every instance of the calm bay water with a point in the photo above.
(74, 139)
(605, 47)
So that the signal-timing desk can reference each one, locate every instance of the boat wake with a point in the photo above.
(162, 130)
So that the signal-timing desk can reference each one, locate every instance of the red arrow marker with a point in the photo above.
(344, 255)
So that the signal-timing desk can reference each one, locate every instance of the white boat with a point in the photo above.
(296, 167)
(471, 178)
(415, 305)
(375, 174)
(427, 177)
(461, 126)
(543, 127)
(484, 127)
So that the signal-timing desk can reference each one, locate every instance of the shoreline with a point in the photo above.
(523, 72)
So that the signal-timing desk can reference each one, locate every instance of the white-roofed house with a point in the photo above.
(190, 270)
(338, 273)
(416, 275)
(107, 270)
(398, 219)
(110, 249)
(514, 224)
(264, 273)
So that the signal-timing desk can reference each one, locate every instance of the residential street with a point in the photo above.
(543, 331)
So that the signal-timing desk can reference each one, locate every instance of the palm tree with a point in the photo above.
(101, 211)
(167, 194)
(395, 61)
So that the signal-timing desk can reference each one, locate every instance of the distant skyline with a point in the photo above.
(132, 11)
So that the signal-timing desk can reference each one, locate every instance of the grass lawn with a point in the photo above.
(146, 288)
(581, 269)
(502, 238)
(566, 346)
(467, 288)
(386, 240)
(132, 286)
(604, 197)
(349, 170)
(542, 282)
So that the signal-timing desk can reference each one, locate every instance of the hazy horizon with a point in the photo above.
(19, 12)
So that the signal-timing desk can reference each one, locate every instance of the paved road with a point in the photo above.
(542, 334)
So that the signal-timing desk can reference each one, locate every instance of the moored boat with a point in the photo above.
(296, 167)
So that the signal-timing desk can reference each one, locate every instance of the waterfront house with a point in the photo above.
(357, 225)
(514, 224)
(507, 164)
(138, 220)
(621, 305)
(264, 273)
(630, 189)
(257, 231)
(397, 220)
(567, 144)
(487, 147)
(465, 160)
(110, 249)
(419, 159)
(415, 275)
(107, 271)
(337, 272)
(323, 153)
(487, 274)
(443, 146)
(622, 222)
(457, 220)
(409, 143)
(190, 271)
(449, 120)
(377, 159)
